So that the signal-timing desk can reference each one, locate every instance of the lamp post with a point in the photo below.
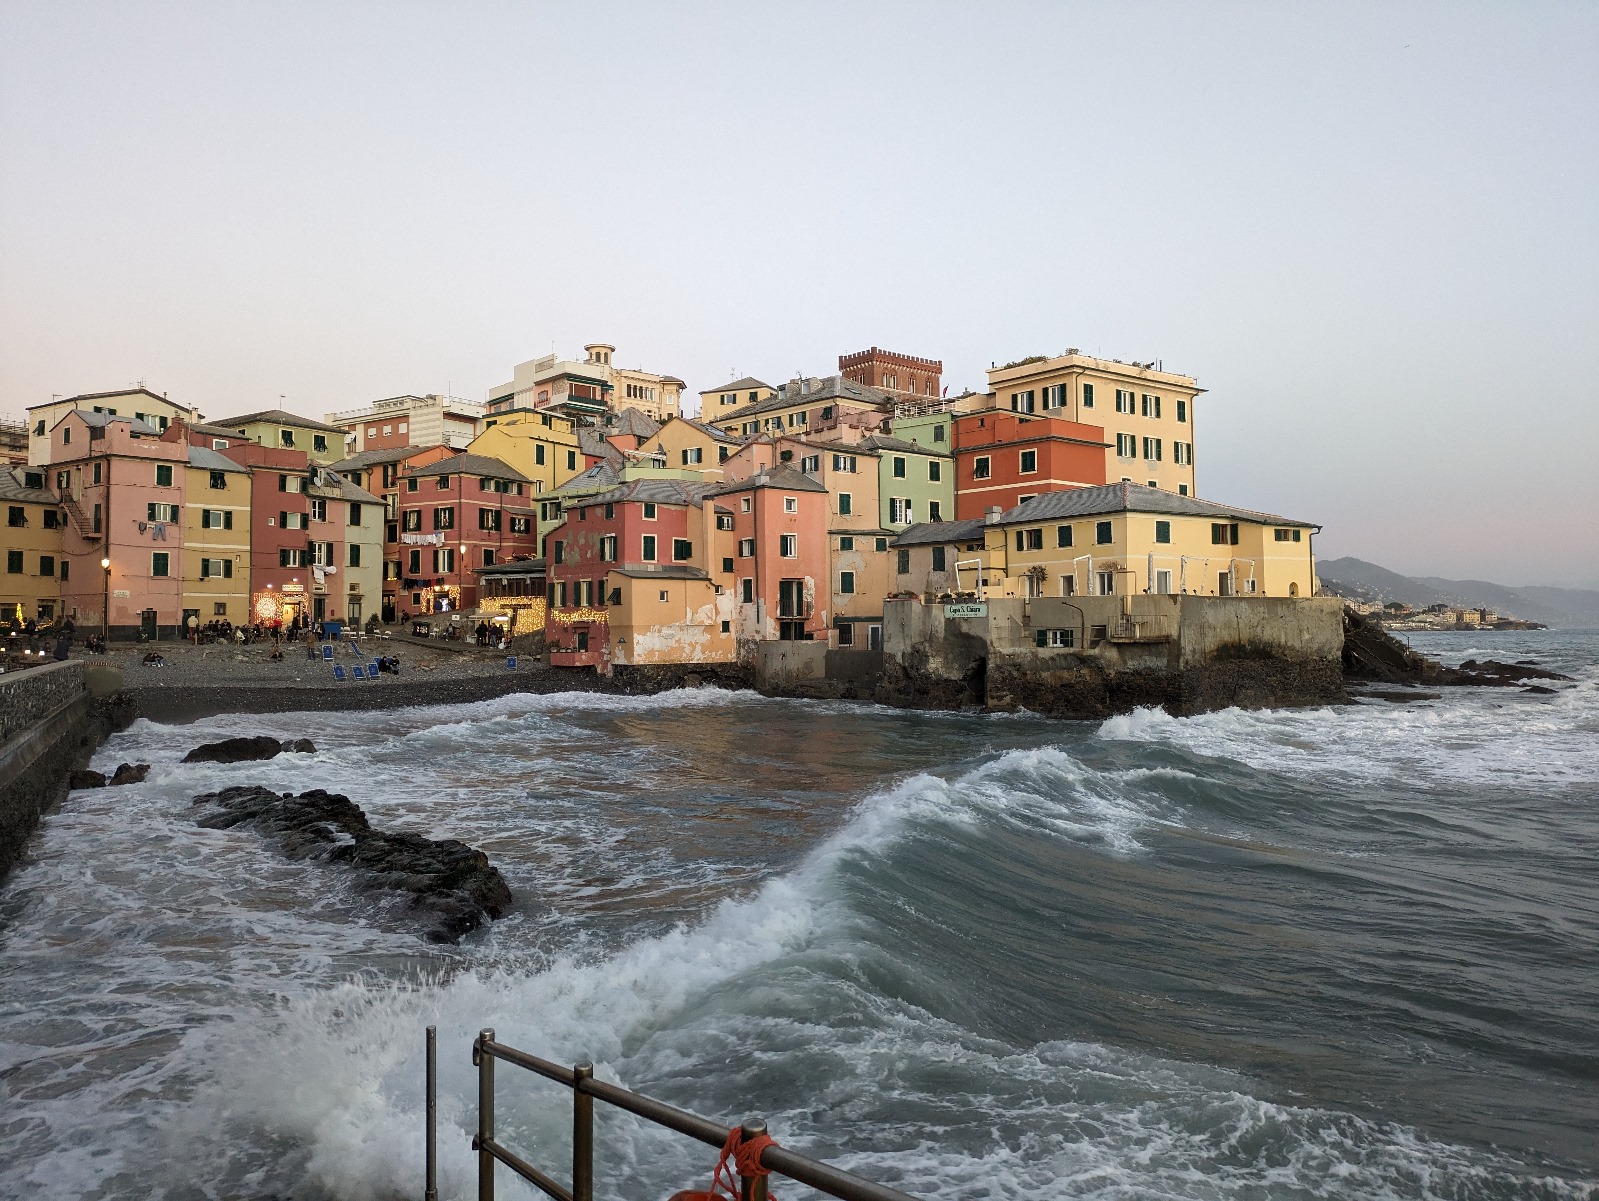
(105, 601)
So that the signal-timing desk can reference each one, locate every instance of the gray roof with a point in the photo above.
(708, 430)
(591, 441)
(630, 421)
(215, 431)
(1127, 497)
(108, 395)
(662, 571)
(936, 533)
(900, 446)
(600, 476)
(662, 492)
(782, 476)
(13, 489)
(210, 460)
(101, 420)
(470, 464)
(748, 384)
(376, 458)
(277, 417)
(342, 488)
(513, 567)
(827, 388)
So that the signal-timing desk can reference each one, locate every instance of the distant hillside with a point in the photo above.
(1360, 580)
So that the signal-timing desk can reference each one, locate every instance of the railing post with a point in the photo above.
(582, 1134)
(752, 1188)
(485, 1115)
(432, 1191)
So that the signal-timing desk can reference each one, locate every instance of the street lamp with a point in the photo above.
(105, 601)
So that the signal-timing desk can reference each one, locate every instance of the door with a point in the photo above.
(147, 625)
(319, 608)
(791, 610)
(1224, 583)
(1105, 582)
(1163, 581)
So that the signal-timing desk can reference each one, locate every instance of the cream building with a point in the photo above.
(140, 404)
(587, 388)
(397, 421)
(285, 431)
(35, 555)
(1147, 414)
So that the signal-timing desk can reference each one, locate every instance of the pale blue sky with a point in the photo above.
(1372, 231)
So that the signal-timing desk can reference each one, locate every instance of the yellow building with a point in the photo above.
(35, 561)
(694, 446)
(802, 405)
(285, 431)
(1113, 539)
(1147, 414)
(714, 402)
(542, 446)
(216, 539)
(141, 404)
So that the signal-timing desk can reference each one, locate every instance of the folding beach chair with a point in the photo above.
(327, 652)
(372, 670)
(358, 672)
(510, 662)
(338, 672)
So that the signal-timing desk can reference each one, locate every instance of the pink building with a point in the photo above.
(122, 488)
(780, 519)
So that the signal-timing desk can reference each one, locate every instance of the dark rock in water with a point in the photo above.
(1493, 673)
(1402, 697)
(1371, 653)
(453, 883)
(240, 750)
(1526, 663)
(1539, 689)
(86, 779)
(131, 773)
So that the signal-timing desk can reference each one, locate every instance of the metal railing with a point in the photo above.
(585, 1089)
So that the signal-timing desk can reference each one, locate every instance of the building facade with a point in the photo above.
(280, 430)
(216, 538)
(36, 562)
(458, 514)
(1002, 459)
(139, 404)
(401, 421)
(902, 375)
(586, 388)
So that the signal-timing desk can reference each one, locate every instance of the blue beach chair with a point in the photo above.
(338, 672)
(372, 670)
(358, 672)
(327, 652)
(510, 662)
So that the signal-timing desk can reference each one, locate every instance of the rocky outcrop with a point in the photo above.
(454, 886)
(1373, 654)
(130, 773)
(243, 750)
(86, 778)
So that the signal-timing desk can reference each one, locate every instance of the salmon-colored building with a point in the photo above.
(780, 522)
(458, 514)
(1003, 459)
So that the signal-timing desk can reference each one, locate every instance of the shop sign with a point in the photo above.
(967, 609)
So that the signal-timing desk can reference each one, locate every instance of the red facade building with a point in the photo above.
(1002, 459)
(458, 514)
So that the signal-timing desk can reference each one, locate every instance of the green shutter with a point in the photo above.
(1041, 637)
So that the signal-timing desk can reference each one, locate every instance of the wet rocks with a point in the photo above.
(130, 773)
(1492, 673)
(1371, 653)
(86, 778)
(452, 884)
(241, 750)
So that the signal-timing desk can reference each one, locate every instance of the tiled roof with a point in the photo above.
(663, 492)
(600, 476)
(662, 571)
(329, 480)
(13, 489)
(276, 417)
(630, 422)
(936, 533)
(513, 567)
(902, 447)
(209, 460)
(106, 396)
(748, 384)
(709, 431)
(470, 464)
(101, 420)
(376, 458)
(1126, 497)
(784, 477)
(213, 431)
(828, 388)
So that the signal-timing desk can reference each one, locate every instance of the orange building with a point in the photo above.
(1003, 459)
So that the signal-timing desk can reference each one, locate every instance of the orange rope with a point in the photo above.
(746, 1161)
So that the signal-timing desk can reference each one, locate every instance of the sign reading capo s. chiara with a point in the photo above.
(969, 609)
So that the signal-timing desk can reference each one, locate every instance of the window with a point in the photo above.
(319, 509)
(682, 550)
(1151, 406)
(1102, 533)
(52, 519)
(219, 443)
(219, 479)
(746, 590)
(442, 483)
(1021, 402)
(411, 520)
(882, 545)
(940, 559)
(693, 456)
(899, 467)
(647, 548)
(1029, 462)
(846, 504)
(411, 484)
(874, 638)
(1055, 638)
(1163, 582)
(1182, 489)
(47, 565)
(14, 562)
(355, 513)
(724, 521)
(97, 472)
(1224, 534)
(980, 467)
(935, 511)
(1055, 396)
(727, 627)
(1182, 453)
(444, 559)
(846, 634)
(899, 511)
(38, 430)
(610, 510)
(216, 569)
(521, 525)
(286, 438)
(1182, 411)
(1286, 535)
(902, 562)
(1126, 446)
(608, 549)
(444, 518)
(1125, 402)
(94, 520)
(1063, 535)
(16, 516)
(319, 443)
(845, 463)
(571, 460)
(163, 475)
(847, 542)
(155, 512)
(846, 583)
(160, 564)
(746, 548)
(727, 567)
(1152, 449)
(649, 510)
(1030, 539)
(744, 504)
(216, 519)
(935, 471)
(66, 436)
(560, 551)
(219, 609)
(1163, 531)
(788, 546)
(355, 554)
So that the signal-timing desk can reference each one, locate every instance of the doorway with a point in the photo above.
(147, 627)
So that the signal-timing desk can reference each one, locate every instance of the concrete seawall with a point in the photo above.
(51, 720)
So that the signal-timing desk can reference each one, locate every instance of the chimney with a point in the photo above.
(993, 514)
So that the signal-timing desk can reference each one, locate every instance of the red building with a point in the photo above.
(381, 472)
(903, 374)
(457, 514)
(1003, 459)
(281, 584)
(780, 520)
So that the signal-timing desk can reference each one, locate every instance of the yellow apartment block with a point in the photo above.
(1147, 414)
(216, 539)
(735, 395)
(287, 431)
(694, 446)
(35, 562)
(1115, 540)
(542, 446)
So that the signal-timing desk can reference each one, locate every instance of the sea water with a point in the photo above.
(1345, 952)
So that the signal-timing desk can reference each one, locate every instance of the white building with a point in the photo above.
(401, 421)
(587, 388)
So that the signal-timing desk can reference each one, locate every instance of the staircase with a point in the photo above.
(79, 521)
